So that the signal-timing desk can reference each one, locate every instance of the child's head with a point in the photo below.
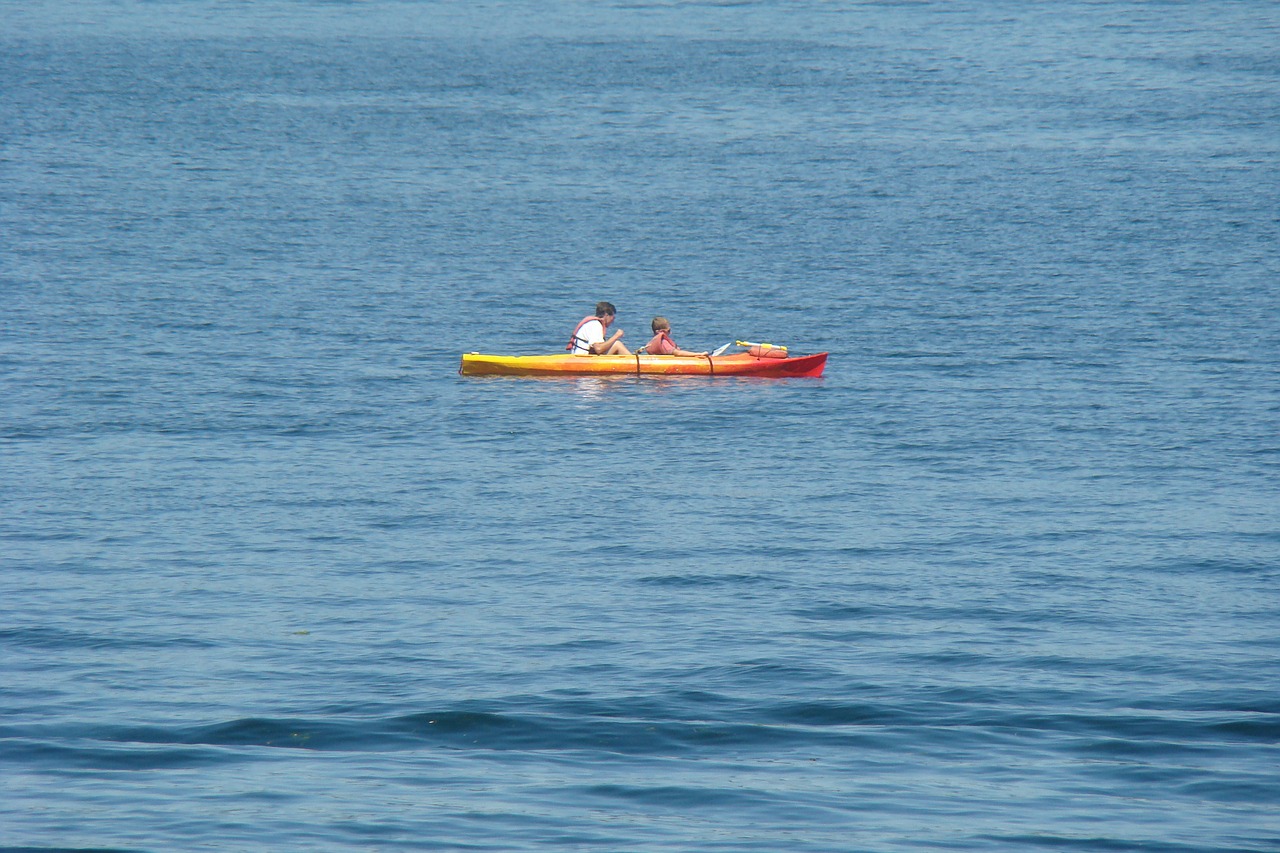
(660, 324)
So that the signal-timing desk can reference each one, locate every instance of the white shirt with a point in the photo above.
(592, 332)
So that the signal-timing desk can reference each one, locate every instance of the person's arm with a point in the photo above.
(606, 345)
(687, 352)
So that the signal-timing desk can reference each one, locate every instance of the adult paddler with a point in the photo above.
(588, 338)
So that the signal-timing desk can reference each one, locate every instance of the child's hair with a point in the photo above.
(660, 323)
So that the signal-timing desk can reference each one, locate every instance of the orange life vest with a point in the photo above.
(661, 344)
(574, 340)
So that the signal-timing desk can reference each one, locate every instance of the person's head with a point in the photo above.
(660, 324)
(605, 309)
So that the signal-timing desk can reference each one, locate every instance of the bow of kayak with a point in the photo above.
(738, 364)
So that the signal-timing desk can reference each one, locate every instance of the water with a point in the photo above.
(274, 576)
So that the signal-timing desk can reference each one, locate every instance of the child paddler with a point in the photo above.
(662, 344)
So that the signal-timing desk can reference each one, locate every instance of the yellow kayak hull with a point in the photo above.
(737, 364)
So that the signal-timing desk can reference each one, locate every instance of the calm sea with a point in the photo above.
(273, 576)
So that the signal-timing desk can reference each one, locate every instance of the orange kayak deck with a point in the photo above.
(737, 364)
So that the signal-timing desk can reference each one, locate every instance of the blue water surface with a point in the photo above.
(273, 576)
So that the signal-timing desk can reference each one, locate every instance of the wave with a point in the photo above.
(676, 724)
(58, 639)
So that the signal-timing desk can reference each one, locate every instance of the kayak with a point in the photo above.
(736, 364)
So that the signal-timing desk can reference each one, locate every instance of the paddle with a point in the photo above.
(750, 344)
